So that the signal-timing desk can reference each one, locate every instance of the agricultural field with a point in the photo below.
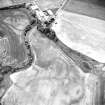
(35, 70)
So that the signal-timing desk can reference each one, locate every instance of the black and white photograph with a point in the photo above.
(52, 52)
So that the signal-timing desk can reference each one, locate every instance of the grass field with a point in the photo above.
(93, 8)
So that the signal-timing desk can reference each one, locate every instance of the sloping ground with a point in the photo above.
(34, 91)
(54, 81)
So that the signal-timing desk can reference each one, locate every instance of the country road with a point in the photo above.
(93, 8)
